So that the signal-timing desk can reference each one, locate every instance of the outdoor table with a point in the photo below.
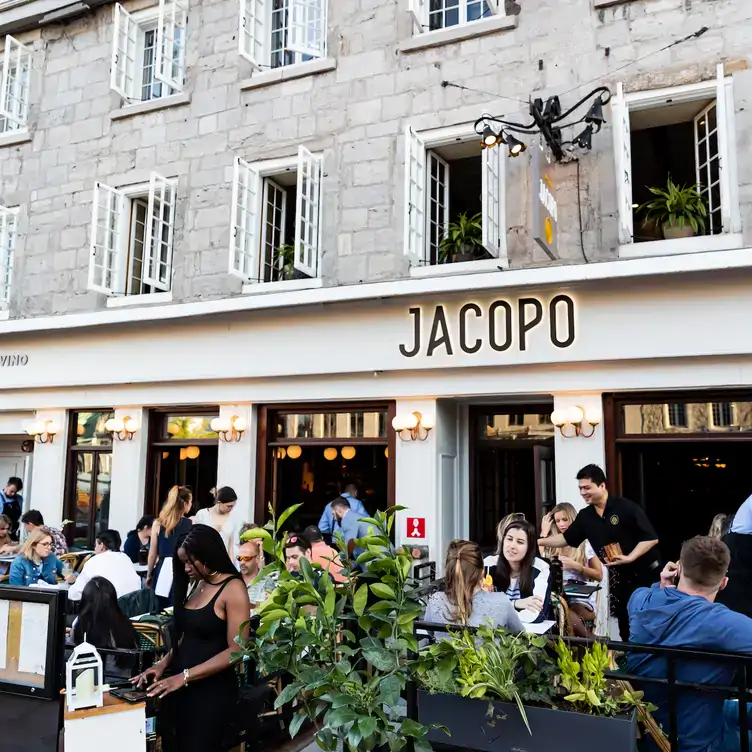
(121, 723)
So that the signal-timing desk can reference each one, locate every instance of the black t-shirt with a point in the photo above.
(623, 522)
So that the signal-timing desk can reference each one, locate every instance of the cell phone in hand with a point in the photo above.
(129, 695)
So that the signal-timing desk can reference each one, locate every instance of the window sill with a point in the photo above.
(136, 300)
(4, 314)
(13, 138)
(460, 267)
(289, 73)
(701, 244)
(429, 39)
(139, 108)
(286, 285)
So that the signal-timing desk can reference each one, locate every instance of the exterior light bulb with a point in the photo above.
(240, 424)
(51, 427)
(411, 421)
(558, 418)
(348, 452)
(490, 138)
(516, 147)
(428, 421)
(130, 425)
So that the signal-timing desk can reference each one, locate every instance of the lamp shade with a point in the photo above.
(192, 452)
(294, 451)
(594, 415)
(51, 427)
(33, 428)
(558, 417)
(114, 425)
(130, 425)
(348, 452)
(330, 453)
(240, 424)
(281, 453)
(183, 453)
(428, 420)
(220, 424)
(575, 414)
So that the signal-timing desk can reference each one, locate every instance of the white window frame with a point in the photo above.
(622, 104)
(418, 144)
(8, 242)
(110, 236)
(15, 90)
(420, 14)
(248, 215)
(127, 63)
(305, 31)
(667, 415)
(734, 415)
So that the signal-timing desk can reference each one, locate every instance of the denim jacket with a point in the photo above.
(24, 572)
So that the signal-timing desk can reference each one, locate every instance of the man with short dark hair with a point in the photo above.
(11, 502)
(297, 547)
(108, 562)
(610, 521)
(33, 519)
(686, 615)
(325, 556)
(328, 521)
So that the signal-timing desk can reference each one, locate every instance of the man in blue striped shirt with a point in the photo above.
(328, 521)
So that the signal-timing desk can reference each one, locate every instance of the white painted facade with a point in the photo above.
(661, 324)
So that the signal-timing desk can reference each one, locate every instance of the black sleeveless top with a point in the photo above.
(204, 634)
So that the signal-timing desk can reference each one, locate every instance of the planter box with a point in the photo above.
(468, 722)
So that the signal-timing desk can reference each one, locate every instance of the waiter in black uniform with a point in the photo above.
(608, 520)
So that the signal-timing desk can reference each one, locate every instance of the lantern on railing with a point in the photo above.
(84, 678)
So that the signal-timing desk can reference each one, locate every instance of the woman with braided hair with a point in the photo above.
(464, 601)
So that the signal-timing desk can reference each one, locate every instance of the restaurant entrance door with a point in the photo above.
(512, 467)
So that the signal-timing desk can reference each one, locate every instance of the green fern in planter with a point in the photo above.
(676, 206)
(464, 236)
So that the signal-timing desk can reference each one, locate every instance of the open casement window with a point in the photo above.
(8, 231)
(697, 122)
(14, 86)
(276, 33)
(131, 238)
(455, 200)
(275, 232)
(170, 44)
(148, 52)
(415, 196)
(432, 15)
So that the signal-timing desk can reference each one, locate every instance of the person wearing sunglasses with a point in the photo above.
(250, 559)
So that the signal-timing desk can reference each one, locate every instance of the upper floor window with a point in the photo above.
(684, 135)
(14, 86)
(275, 33)
(275, 231)
(676, 415)
(455, 201)
(148, 52)
(722, 414)
(132, 232)
(431, 15)
(8, 232)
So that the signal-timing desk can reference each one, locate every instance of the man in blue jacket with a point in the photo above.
(329, 520)
(686, 615)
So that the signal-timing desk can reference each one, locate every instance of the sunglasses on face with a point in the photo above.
(246, 559)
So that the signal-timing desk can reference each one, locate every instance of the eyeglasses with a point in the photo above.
(46, 544)
(246, 559)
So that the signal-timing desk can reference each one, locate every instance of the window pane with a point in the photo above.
(516, 425)
(689, 417)
(90, 429)
(182, 427)
(353, 425)
(104, 473)
(82, 492)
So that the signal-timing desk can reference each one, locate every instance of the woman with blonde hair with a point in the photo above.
(579, 565)
(35, 561)
(169, 526)
(464, 601)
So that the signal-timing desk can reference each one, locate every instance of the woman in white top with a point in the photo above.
(221, 518)
(579, 565)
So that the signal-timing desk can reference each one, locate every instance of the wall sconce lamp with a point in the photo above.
(121, 428)
(43, 431)
(229, 429)
(574, 420)
(412, 426)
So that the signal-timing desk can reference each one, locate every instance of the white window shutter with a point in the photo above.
(169, 67)
(160, 228)
(244, 226)
(251, 36)
(493, 6)
(123, 66)
(623, 158)
(415, 196)
(722, 123)
(308, 213)
(14, 85)
(492, 195)
(307, 27)
(8, 229)
(105, 246)
(419, 14)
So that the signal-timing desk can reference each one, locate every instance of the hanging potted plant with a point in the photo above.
(679, 210)
(495, 690)
(343, 646)
(463, 240)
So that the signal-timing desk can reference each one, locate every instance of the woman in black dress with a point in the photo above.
(195, 680)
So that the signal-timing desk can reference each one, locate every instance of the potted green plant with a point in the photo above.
(344, 647)
(463, 240)
(283, 261)
(679, 210)
(499, 691)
